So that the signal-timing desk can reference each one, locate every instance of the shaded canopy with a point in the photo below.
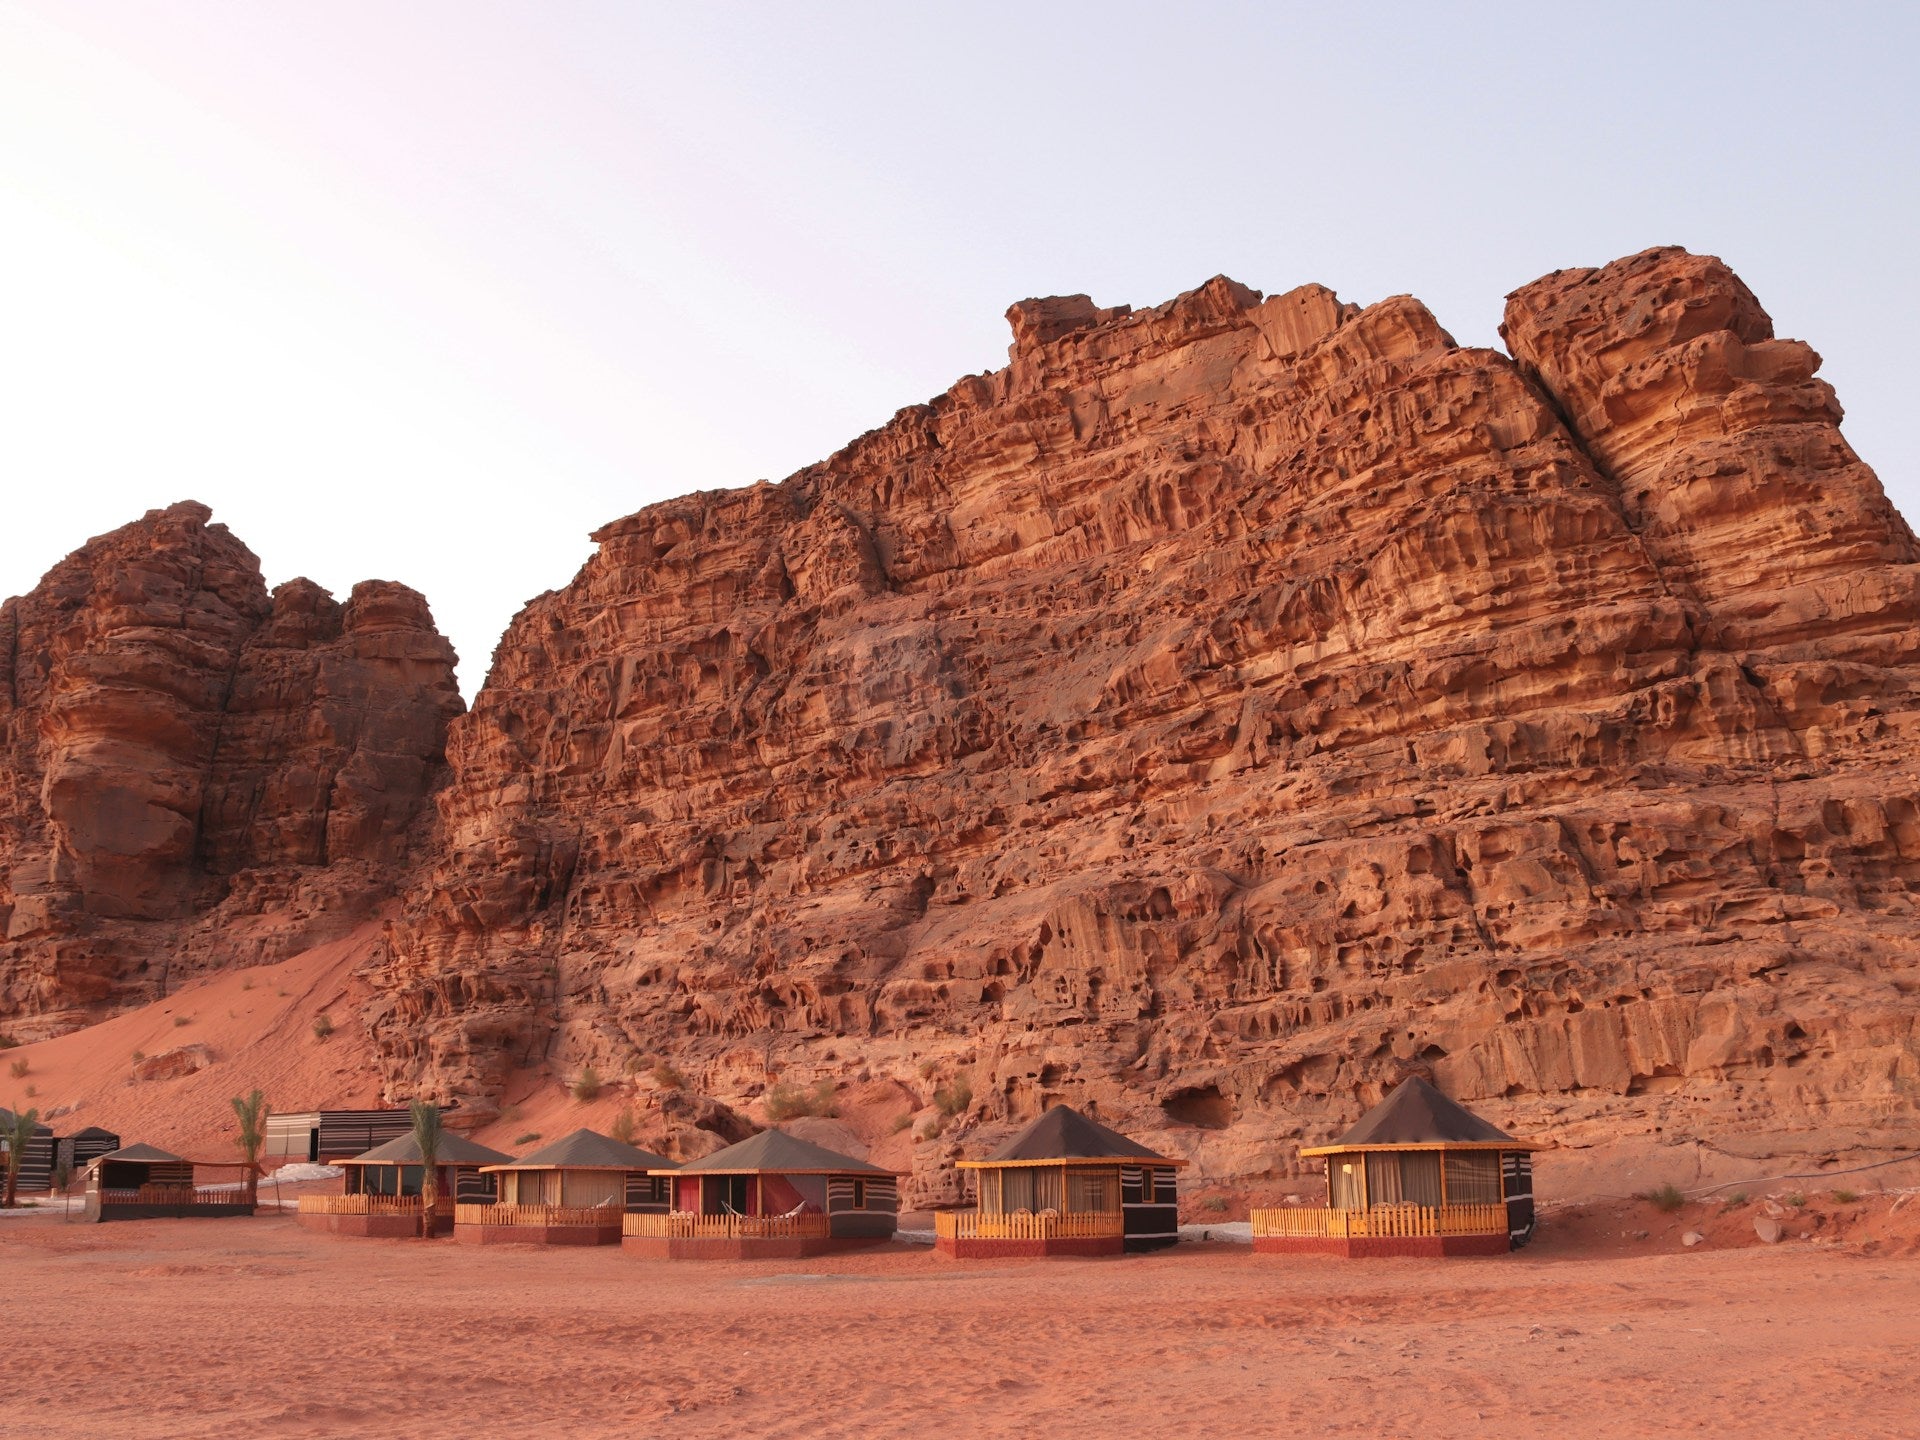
(93, 1132)
(586, 1150)
(454, 1150)
(143, 1155)
(1063, 1133)
(1417, 1114)
(776, 1152)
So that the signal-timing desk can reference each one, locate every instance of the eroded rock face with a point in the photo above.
(195, 772)
(1216, 714)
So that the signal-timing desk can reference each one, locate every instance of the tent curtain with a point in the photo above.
(1343, 1181)
(1473, 1177)
(1093, 1192)
(1404, 1178)
(1030, 1187)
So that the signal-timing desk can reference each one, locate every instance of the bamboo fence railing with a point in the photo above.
(684, 1226)
(1396, 1222)
(602, 1217)
(1024, 1225)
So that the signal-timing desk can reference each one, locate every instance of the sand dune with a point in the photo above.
(169, 1328)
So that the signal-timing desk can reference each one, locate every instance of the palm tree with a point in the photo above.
(426, 1138)
(252, 1112)
(18, 1135)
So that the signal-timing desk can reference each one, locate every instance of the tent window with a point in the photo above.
(1473, 1177)
(1343, 1181)
(859, 1194)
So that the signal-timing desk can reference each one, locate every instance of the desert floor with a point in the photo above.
(1606, 1326)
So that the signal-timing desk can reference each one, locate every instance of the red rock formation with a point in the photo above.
(1215, 714)
(195, 773)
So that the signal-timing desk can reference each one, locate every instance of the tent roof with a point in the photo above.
(145, 1155)
(586, 1150)
(454, 1150)
(93, 1132)
(1415, 1113)
(1063, 1133)
(776, 1152)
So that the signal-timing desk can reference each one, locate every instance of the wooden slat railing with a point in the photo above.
(601, 1216)
(684, 1226)
(368, 1205)
(175, 1195)
(1395, 1222)
(1022, 1225)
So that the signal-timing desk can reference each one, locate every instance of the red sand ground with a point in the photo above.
(180, 1328)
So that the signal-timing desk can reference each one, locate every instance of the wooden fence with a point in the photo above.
(684, 1226)
(176, 1195)
(1024, 1225)
(600, 1216)
(367, 1205)
(1395, 1222)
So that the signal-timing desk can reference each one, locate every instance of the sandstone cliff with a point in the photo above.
(1218, 712)
(195, 773)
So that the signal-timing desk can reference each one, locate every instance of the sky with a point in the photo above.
(428, 291)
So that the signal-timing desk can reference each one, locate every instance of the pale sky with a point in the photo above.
(427, 291)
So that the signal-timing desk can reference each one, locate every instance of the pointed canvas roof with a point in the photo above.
(586, 1150)
(775, 1151)
(93, 1132)
(1415, 1113)
(454, 1150)
(1064, 1134)
(145, 1155)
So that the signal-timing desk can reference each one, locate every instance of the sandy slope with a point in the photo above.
(175, 1328)
(258, 1024)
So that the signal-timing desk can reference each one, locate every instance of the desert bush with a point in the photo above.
(587, 1087)
(624, 1125)
(180, 1020)
(1665, 1197)
(930, 1131)
(1735, 1200)
(668, 1077)
(32, 1090)
(18, 1069)
(1216, 1204)
(1796, 1200)
(952, 1100)
(526, 1139)
(7, 1042)
(1846, 1197)
(903, 1121)
(322, 1026)
(787, 1102)
(137, 1056)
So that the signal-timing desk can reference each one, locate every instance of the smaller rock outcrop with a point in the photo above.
(176, 742)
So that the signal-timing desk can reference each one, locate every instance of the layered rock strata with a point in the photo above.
(1214, 715)
(195, 772)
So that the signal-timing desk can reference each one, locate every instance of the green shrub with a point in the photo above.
(526, 1139)
(1796, 1200)
(1846, 1197)
(624, 1125)
(18, 1069)
(903, 1121)
(322, 1026)
(1666, 1197)
(138, 1056)
(1216, 1204)
(1735, 1200)
(787, 1102)
(667, 1077)
(952, 1100)
(587, 1087)
(180, 1020)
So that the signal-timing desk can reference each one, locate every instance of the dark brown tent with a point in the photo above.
(1418, 1175)
(1067, 1185)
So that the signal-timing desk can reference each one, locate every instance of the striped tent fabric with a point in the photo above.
(1518, 1175)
